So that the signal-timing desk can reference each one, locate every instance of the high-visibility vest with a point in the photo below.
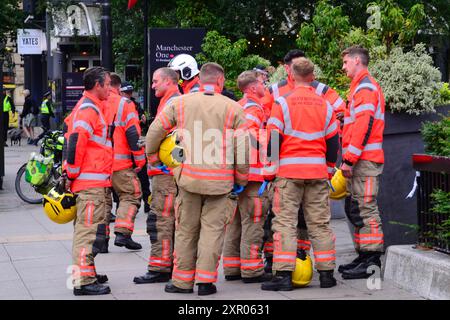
(330, 95)
(305, 122)
(126, 132)
(45, 109)
(364, 121)
(89, 156)
(166, 99)
(256, 124)
(6, 104)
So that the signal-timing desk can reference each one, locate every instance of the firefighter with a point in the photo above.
(187, 67)
(88, 166)
(278, 89)
(161, 219)
(126, 90)
(363, 161)
(205, 203)
(242, 253)
(128, 160)
(305, 126)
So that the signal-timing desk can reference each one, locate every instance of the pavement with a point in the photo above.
(35, 258)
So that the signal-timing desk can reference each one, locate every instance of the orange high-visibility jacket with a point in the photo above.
(127, 131)
(167, 98)
(256, 121)
(191, 85)
(307, 125)
(330, 95)
(89, 147)
(364, 121)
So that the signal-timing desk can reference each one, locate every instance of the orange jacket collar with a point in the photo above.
(253, 98)
(187, 85)
(359, 76)
(97, 101)
(169, 93)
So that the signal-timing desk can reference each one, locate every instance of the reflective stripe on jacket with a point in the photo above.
(89, 148)
(256, 123)
(305, 122)
(209, 127)
(364, 121)
(127, 131)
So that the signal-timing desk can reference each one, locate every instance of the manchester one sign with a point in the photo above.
(166, 53)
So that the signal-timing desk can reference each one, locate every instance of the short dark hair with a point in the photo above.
(292, 54)
(359, 51)
(116, 82)
(210, 72)
(93, 75)
(168, 73)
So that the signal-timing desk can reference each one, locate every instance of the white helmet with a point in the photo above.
(186, 64)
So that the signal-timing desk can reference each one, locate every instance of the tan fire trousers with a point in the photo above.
(242, 251)
(161, 223)
(128, 188)
(89, 234)
(361, 206)
(313, 195)
(199, 234)
(303, 241)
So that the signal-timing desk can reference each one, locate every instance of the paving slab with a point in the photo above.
(14, 290)
(8, 272)
(34, 250)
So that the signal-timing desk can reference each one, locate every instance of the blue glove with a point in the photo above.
(262, 188)
(237, 189)
(163, 168)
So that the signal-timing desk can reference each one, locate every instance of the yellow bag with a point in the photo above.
(13, 119)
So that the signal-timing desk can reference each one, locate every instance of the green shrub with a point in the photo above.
(444, 93)
(436, 136)
(441, 206)
(409, 80)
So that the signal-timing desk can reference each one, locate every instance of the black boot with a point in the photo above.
(92, 289)
(205, 289)
(123, 240)
(268, 264)
(102, 278)
(361, 270)
(281, 281)
(262, 278)
(233, 277)
(153, 277)
(171, 288)
(350, 265)
(326, 278)
(105, 246)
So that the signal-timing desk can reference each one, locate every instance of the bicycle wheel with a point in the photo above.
(24, 190)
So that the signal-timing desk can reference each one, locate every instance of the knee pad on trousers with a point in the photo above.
(152, 231)
(353, 213)
(100, 238)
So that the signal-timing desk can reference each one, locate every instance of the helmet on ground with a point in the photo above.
(303, 272)
(170, 152)
(186, 64)
(338, 183)
(60, 207)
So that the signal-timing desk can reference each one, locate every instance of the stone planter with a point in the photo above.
(402, 139)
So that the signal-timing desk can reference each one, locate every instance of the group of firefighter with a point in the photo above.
(262, 201)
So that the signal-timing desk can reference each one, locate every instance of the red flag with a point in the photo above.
(131, 4)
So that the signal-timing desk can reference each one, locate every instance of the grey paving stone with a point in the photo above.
(13, 290)
(3, 254)
(34, 250)
(7, 272)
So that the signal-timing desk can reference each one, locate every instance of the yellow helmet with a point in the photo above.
(170, 153)
(60, 208)
(338, 183)
(303, 272)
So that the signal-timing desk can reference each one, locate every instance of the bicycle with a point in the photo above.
(50, 152)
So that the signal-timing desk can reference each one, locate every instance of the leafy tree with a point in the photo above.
(232, 56)
(11, 19)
